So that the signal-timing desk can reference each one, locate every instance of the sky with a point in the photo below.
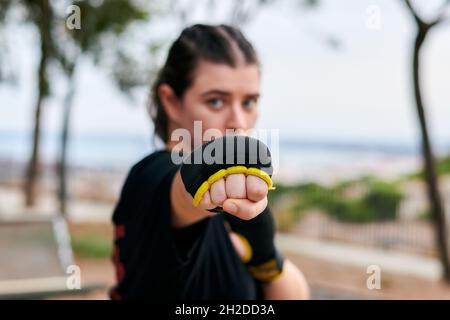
(360, 91)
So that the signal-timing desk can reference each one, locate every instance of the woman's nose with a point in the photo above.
(237, 118)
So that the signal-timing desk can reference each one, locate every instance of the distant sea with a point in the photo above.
(122, 151)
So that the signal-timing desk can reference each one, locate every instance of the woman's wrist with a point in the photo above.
(183, 213)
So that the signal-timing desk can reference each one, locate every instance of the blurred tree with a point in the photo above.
(100, 26)
(4, 57)
(40, 14)
(8, 74)
(103, 22)
(436, 205)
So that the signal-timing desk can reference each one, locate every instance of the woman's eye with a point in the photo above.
(250, 103)
(215, 103)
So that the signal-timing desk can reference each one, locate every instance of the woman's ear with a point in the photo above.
(170, 102)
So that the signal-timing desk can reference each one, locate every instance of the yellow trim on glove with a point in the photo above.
(248, 248)
(222, 173)
(266, 272)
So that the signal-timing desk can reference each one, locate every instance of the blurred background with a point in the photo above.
(359, 91)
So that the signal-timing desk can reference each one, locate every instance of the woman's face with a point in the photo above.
(221, 97)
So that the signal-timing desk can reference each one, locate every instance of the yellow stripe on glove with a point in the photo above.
(205, 186)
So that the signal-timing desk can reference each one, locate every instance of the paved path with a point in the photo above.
(353, 255)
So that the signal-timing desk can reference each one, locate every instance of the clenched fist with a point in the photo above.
(230, 172)
(239, 195)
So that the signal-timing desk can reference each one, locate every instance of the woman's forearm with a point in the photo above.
(290, 285)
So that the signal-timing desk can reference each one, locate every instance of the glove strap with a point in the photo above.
(268, 271)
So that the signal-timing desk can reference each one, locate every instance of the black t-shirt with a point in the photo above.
(155, 261)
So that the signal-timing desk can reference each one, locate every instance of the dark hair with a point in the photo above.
(217, 44)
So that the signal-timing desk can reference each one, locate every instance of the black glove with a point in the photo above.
(263, 260)
(221, 157)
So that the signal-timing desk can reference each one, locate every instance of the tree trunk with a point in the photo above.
(33, 170)
(436, 205)
(62, 165)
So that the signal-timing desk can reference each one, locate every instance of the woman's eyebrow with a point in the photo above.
(253, 95)
(216, 91)
(226, 93)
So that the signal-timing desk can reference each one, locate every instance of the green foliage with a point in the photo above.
(108, 36)
(383, 199)
(425, 216)
(91, 246)
(111, 17)
(442, 169)
(279, 191)
(374, 200)
(4, 7)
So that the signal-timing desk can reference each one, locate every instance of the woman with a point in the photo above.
(165, 246)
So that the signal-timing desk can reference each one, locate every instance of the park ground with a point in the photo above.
(328, 279)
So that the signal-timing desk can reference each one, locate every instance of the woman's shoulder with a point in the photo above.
(146, 177)
(155, 155)
(151, 170)
(156, 162)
